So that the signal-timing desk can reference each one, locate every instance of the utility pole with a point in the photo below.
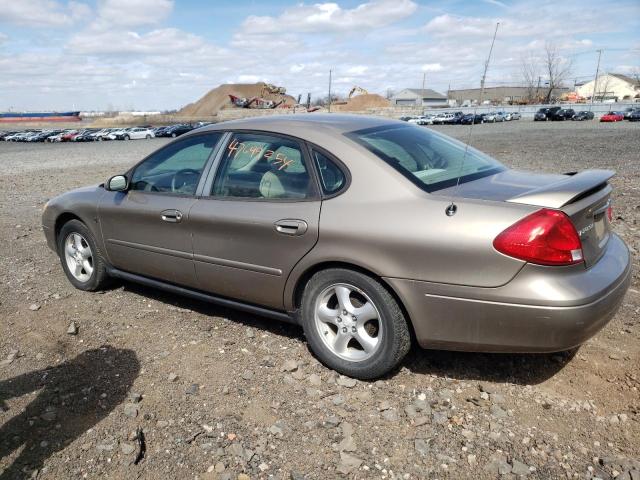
(486, 65)
(424, 78)
(329, 91)
(595, 80)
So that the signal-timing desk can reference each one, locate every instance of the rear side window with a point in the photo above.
(331, 177)
(264, 167)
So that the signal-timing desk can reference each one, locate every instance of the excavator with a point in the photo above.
(358, 90)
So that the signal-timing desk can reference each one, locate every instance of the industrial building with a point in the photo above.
(410, 97)
(501, 95)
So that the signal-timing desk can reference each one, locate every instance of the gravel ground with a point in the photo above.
(133, 383)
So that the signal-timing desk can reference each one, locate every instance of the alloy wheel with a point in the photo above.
(79, 258)
(348, 322)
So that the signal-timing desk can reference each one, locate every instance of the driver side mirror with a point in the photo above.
(117, 183)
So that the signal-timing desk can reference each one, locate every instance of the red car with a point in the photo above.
(612, 117)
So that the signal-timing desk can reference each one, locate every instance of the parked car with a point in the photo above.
(515, 115)
(628, 111)
(5, 134)
(102, 135)
(456, 118)
(422, 120)
(118, 134)
(85, 136)
(404, 118)
(562, 114)
(493, 117)
(635, 116)
(69, 136)
(612, 117)
(442, 118)
(545, 114)
(470, 118)
(582, 115)
(176, 131)
(287, 217)
(138, 133)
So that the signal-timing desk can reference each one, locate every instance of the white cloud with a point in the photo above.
(42, 13)
(165, 41)
(357, 70)
(431, 67)
(3, 38)
(455, 26)
(324, 17)
(133, 13)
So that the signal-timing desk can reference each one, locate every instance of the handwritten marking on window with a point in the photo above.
(280, 160)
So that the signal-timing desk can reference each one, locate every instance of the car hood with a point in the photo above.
(540, 189)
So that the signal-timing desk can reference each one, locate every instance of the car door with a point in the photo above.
(146, 228)
(257, 217)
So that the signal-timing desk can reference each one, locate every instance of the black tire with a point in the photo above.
(126, 137)
(99, 278)
(173, 135)
(396, 338)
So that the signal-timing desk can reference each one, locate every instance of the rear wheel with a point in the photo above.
(353, 324)
(148, 137)
(81, 259)
(127, 137)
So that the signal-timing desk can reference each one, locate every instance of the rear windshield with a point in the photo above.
(429, 159)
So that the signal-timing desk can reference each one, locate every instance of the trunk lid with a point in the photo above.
(584, 197)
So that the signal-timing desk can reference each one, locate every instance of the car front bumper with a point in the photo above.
(542, 309)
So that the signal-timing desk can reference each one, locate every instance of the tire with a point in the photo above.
(98, 278)
(173, 135)
(385, 332)
(126, 137)
(148, 137)
(100, 139)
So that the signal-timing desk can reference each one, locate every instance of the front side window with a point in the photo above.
(175, 169)
(264, 167)
(430, 160)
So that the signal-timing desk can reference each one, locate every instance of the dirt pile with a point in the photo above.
(361, 103)
(218, 98)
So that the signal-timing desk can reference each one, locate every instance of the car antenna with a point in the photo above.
(452, 208)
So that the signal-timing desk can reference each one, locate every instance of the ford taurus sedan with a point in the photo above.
(369, 233)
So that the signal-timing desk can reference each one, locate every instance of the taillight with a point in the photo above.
(610, 213)
(546, 237)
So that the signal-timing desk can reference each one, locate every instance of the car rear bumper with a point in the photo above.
(542, 309)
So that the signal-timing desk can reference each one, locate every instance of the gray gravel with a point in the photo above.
(225, 395)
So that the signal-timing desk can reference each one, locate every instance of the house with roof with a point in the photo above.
(417, 97)
(611, 86)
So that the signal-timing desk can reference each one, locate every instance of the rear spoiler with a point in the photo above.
(567, 190)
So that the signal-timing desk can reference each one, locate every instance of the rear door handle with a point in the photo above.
(171, 216)
(291, 227)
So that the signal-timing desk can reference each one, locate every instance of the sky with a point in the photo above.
(163, 54)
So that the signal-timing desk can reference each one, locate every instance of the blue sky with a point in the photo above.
(162, 54)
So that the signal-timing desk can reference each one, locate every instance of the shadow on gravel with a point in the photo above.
(518, 368)
(68, 403)
(522, 369)
(249, 319)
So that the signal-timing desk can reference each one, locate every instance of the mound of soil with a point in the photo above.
(218, 98)
(362, 102)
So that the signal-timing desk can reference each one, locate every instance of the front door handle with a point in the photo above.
(171, 216)
(291, 227)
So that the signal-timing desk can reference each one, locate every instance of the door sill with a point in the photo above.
(202, 296)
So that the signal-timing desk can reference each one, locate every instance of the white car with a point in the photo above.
(422, 120)
(134, 133)
(442, 118)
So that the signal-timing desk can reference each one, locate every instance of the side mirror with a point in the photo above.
(117, 183)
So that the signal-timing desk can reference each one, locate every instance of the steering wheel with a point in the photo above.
(184, 178)
(150, 187)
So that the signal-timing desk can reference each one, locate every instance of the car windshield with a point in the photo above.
(430, 160)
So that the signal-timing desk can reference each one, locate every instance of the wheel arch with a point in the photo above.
(304, 278)
(63, 218)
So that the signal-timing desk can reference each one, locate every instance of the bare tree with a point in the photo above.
(530, 71)
(556, 67)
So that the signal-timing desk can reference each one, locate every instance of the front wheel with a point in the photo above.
(81, 259)
(353, 324)
(127, 137)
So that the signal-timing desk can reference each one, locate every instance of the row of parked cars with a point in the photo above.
(559, 114)
(461, 118)
(96, 134)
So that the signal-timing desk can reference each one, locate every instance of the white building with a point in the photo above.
(418, 97)
(611, 86)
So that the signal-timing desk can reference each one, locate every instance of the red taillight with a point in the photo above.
(546, 237)
(610, 213)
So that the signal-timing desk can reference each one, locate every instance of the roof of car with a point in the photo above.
(339, 123)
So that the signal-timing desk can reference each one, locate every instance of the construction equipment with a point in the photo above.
(359, 90)
(273, 89)
(259, 102)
